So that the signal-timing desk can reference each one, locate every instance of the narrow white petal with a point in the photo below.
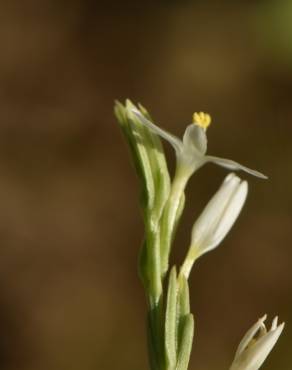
(274, 323)
(232, 165)
(173, 140)
(195, 138)
(249, 335)
(209, 221)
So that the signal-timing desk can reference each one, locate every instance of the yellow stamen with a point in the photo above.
(202, 119)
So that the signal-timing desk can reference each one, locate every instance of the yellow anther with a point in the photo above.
(202, 119)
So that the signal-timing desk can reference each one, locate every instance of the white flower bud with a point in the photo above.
(256, 345)
(216, 219)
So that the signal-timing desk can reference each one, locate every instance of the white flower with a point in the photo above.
(216, 219)
(191, 151)
(256, 345)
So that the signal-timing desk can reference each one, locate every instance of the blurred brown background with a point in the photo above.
(70, 225)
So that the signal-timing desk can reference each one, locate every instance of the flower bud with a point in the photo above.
(216, 219)
(256, 345)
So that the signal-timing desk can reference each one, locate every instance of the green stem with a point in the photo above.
(156, 336)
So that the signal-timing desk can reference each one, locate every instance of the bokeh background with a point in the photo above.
(70, 225)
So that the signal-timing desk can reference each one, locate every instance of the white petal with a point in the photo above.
(224, 207)
(195, 138)
(232, 165)
(173, 140)
(249, 335)
(274, 323)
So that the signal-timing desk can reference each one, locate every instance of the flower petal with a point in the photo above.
(173, 140)
(195, 138)
(274, 323)
(232, 165)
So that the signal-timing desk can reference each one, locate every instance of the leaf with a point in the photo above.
(170, 320)
(153, 266)
(159, 168)
(183, 306)
(138, 144)
(167, 233)
(184, 352)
